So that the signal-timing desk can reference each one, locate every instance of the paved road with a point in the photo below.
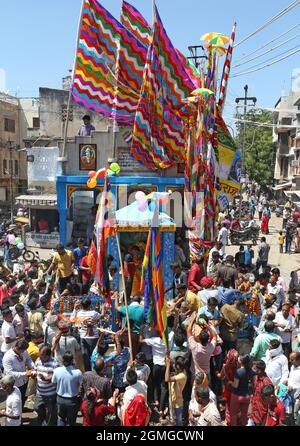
(285, 262)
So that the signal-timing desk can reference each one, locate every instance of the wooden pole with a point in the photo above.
(170, 404)
(125, 295)
(63, 154)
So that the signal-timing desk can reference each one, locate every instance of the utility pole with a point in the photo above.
(246, 98)
(10, 146)
(195, 57)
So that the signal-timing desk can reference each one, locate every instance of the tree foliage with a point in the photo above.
(259, 148)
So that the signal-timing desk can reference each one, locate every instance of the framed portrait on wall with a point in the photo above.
(87, 156)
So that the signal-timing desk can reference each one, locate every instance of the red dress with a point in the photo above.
(98, 416)
(137, 413)
(265, 224)
(259, 408)
(276, 413)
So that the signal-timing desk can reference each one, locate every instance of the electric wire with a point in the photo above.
(242, 73)
(266, 52)
(268, 43)
(270, 21)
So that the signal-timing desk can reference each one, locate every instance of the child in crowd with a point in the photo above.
(281, 239)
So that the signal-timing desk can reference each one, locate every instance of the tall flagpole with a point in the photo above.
(169, 384)
(63, 154)
(125, 296)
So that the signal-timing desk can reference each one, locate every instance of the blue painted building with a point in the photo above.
(74, 199)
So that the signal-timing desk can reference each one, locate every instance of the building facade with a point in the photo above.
(13, 170)
(286, 135)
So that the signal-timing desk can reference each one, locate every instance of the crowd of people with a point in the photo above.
(233, 353)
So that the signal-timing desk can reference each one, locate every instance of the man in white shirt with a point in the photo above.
(89, 334)
(17, 362)
(13, 405)
(159, 369)
(285, 324)
(294, 381)
(141, 368)
(223, 237)
(8, 333)
(207, 410)
(277, 290)
(280, 280)
(134, 388)
(277, 364)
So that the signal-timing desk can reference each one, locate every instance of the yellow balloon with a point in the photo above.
(92, 183)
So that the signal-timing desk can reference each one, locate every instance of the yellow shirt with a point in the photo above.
(64, 263)
(33, 351)
(177, 389)
(281, 239)
(35, 321)
(192, 299)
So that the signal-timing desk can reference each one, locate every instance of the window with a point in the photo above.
(16, 167)
(9, 125)
(4, 167)
(36, 123)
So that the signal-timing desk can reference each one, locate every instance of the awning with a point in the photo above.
(293, 195)
(131, 219)
(283, 186)
(37, 200)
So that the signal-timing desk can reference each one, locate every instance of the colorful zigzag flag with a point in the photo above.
(104, 45)
(158, 135)
(152, 285)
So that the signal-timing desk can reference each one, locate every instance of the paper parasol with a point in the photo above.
(221, 50)
(219, 40)
(202, 91)
(210, 36)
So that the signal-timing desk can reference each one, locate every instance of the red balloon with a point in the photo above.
(101, 173)
(92, 173)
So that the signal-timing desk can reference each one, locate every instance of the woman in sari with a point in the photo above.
(137, 413)
(265, 220)
(227, 374)
(296, 239)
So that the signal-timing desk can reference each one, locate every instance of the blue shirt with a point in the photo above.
(67, 381)
(136, 317)
(108, 360)
(79, 254)
(211, 315)
(120, 366)
(248, 257)
(227, 295)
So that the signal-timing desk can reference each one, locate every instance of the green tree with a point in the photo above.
(259, 148)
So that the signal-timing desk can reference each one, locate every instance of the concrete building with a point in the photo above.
(42, 127)
(287, 137)
(13, 170)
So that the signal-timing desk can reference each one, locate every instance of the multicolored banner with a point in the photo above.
(152, 284)
(105, 227)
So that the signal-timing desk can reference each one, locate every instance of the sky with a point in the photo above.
(40, 40)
